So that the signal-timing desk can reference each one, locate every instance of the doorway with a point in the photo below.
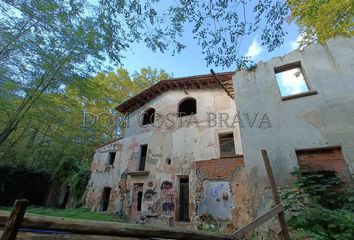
(183, 200)
(105, 198)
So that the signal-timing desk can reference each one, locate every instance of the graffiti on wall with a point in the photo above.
(168, 196)
(149, 193)
(182, 157)
(153, 158)
(216, 200)
(150, 200)
(123, 191)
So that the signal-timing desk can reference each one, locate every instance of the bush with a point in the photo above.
(75, 175)
(320, 205)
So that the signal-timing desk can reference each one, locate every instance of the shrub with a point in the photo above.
(320, 205)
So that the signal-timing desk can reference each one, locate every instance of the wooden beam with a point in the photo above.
(273, 187)
(259, 221)
(45, 236)
(14, 221)
(176, 84)
(33, 221)
(220, 83)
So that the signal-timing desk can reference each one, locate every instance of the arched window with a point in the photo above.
(187, 107)
(149, 116)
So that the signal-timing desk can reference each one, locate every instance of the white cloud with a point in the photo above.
(295, 44)
(254, 49)
(291, 82)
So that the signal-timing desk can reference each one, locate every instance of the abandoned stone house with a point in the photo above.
(171, 163)
(180, 160)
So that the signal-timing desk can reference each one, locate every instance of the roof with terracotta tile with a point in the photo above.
(221, 80)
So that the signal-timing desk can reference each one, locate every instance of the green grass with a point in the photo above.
(79, 213)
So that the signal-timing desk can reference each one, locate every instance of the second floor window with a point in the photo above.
(290, 79)
(187, 107)
(149, 116)
(227, 145)
(111, 157)
(143, 153)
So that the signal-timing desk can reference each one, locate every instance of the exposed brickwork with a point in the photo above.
(325, 159)
(219, 168)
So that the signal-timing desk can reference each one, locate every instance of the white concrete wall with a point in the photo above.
(323, 119)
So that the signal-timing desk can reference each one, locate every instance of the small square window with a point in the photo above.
(290, 79)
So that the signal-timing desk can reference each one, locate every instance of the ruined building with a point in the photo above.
(191, 150)
(312, 121)
(171, 165)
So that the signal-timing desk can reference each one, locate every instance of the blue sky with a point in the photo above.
(191, 60)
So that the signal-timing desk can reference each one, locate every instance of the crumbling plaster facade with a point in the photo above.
(321, 119)
(184, 146)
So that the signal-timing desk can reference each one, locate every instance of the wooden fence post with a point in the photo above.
(16, 216)
(273, 186)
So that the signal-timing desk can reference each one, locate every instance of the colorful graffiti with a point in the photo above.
(165, 185)
(149, 194)
(168, 196)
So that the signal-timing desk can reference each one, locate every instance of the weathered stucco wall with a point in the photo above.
(221, 194)
(323, 119)
(171, 153)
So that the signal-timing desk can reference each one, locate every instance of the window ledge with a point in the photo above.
(139, 173)
(234, 156)
(299, 95)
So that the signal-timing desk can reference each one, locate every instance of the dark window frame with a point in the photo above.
(139, 201)
(223, 137)
(183, 113)
(111, 159)
(148, 116)
(142, 159)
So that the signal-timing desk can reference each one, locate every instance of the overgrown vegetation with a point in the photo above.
(53, 137)
(75, 175)
(78, 213)
(17, 181)
(320, 206)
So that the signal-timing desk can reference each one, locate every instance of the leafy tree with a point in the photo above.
(322, 20)
(52, 136)
(44, 45)
(219, 26)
